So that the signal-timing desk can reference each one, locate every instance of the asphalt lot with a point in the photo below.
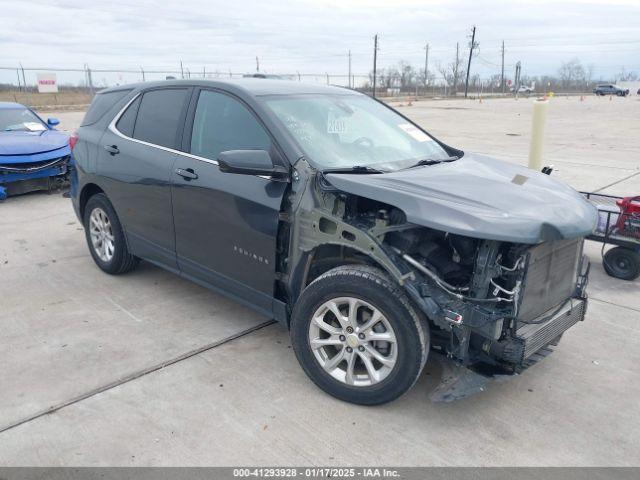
(70, 332)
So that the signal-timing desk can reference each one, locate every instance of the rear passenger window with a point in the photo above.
(222, 123)
(128, 118)
(158, 116)
(101, 103)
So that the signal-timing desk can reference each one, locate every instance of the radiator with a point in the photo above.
(550, 278)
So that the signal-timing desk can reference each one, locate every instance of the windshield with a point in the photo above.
(13, 119)
(345, 131)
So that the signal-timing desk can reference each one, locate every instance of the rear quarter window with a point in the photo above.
(101, 104)
(128, 118)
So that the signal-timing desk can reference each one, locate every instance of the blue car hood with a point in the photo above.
(479, 197)
(31, 143)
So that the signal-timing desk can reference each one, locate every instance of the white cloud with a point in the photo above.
(314, 36)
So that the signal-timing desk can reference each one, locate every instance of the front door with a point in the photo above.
(226, 224)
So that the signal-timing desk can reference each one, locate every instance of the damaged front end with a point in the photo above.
(494, 307)
(20, 175)
(497, 307)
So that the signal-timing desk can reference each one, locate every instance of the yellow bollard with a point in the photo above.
(537, 133)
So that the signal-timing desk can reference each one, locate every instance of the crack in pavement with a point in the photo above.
(135, 375)
(633, 309)
(617, 182)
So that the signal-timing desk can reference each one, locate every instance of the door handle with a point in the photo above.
(112, 149)
(187, 174)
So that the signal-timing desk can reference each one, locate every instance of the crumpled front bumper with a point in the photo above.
(17, 178)
(532, 343)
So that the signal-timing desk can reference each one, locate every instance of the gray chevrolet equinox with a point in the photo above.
(373, 242)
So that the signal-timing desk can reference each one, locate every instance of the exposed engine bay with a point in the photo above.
(494, 307)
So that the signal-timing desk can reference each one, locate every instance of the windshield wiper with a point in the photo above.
(354, 169)
(433, 161)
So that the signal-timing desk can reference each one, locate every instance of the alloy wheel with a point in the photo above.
(101, 232)
(353, 341)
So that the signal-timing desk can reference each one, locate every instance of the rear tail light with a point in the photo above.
(73, 139)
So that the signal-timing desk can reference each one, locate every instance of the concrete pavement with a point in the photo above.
(70, 332)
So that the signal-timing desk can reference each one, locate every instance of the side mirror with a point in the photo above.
(52, 122)
(250, 162)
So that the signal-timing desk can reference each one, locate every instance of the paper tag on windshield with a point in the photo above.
(336, 124)
(34, 126)
(415, 132)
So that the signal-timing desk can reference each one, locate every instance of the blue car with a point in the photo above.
(33, 154)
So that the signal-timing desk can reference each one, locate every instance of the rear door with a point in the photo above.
(139, 149)
(226, 224)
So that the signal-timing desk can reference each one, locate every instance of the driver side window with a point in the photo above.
(222, 123)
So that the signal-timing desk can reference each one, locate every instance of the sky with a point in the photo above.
(313, 37)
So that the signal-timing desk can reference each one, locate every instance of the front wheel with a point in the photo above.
(622, 263)
(357, 336)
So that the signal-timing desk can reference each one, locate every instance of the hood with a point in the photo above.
(479, 197)
(30, 143)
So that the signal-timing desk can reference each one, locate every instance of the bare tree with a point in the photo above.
(625, 76)
(453, 71)
(572, 74)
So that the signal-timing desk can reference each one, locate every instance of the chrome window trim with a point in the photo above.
(113, 129)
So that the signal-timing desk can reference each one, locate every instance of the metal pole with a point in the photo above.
(143, 79)
(466, 83)
(349, 79)
(257, 64)
(375, 61)
(24, 80)
(181, 70)
(426, 67)
(89, 79)
(502, 76)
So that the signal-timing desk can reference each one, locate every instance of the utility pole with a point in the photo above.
(142, 70)
(24, 80)
(349, 79)
(502, 76)
(257, 64)
(426, 67)
(471, 47)
(181, 70)
(19, 82)
(89, 79)
(375, 63)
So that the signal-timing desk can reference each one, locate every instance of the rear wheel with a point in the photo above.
(357, 336)
(105, 237)
(622, 263)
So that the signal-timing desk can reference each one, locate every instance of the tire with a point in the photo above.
(116, 259)
(370, 289)
(622, 263)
